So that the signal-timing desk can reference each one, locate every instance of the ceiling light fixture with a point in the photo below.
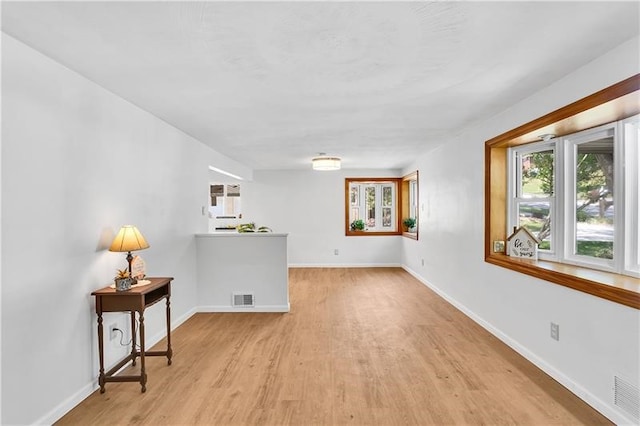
(324, 163)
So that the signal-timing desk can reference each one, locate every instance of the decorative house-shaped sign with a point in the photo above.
(522, 243)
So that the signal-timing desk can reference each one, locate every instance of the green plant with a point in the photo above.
(246, 227)
(251, 227)
(357, 225)
(409, 222)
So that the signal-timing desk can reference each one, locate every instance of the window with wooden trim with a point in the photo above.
(409, 211)
(615, 103)
(372, 206)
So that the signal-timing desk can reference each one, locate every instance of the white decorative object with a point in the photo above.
(522, 243)
(138, 268)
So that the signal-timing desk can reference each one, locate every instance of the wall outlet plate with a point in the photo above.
(555, 331)
(113, 334)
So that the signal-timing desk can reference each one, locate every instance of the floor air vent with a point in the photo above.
(627, 397)
(243, 300)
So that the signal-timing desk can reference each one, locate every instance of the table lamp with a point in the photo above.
(128, 240)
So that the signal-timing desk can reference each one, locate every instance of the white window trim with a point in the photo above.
(570, 144)
(413, 199)
(514, 186)
(631, 147)
(563, 230)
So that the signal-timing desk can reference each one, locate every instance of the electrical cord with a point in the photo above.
(130, 340)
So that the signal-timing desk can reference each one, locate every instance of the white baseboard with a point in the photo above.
(605, 409)
(231, 309)
(67, 405)
(345, 265)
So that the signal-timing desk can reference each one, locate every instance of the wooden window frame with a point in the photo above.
(398, 202)
(406, 180)
(613, 103)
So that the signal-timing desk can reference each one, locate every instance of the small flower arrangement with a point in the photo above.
(122, 279)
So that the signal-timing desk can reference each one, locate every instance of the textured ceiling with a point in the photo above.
(273, 84)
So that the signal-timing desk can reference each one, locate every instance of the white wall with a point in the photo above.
(309, 205)
(598, 338)
(77, 163)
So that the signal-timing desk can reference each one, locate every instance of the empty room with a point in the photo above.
(320, 213)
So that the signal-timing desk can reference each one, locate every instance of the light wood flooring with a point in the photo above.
(360, 347)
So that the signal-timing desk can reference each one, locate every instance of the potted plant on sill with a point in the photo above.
(357, 225)
(410, 224)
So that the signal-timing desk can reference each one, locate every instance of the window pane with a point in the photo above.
(386, 217)
(354, 195)
(536, 218)
(537, 171)
(387, 196)
(233, 190)
(594, 199)
(370, 200)
(355, 214)
(217, 192)
(413, 197)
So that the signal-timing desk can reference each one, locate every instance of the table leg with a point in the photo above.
(143, 373)
(101, 380)
(133, 337)
(169, 351)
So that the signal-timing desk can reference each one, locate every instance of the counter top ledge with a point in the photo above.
(241, 234)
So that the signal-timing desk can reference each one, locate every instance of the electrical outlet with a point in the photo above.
(336, 252)
(555, 331)
(113, 331)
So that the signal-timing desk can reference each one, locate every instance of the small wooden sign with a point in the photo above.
(522, 243)
(138, 268)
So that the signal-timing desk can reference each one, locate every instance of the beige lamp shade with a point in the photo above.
(128, 239)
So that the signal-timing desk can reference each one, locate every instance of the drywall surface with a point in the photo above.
(310, 207)
(77, 163)
(598, 338)
(249, 263)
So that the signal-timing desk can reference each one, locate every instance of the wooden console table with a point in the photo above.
(134, 300)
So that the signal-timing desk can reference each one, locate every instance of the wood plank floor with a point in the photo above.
(359, 347)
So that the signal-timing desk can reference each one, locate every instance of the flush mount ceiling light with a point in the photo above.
(324, 163)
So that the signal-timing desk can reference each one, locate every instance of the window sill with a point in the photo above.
(370, 233)
(412, 235)
(617, 288)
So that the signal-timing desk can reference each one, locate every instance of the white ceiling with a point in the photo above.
(272, 84)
